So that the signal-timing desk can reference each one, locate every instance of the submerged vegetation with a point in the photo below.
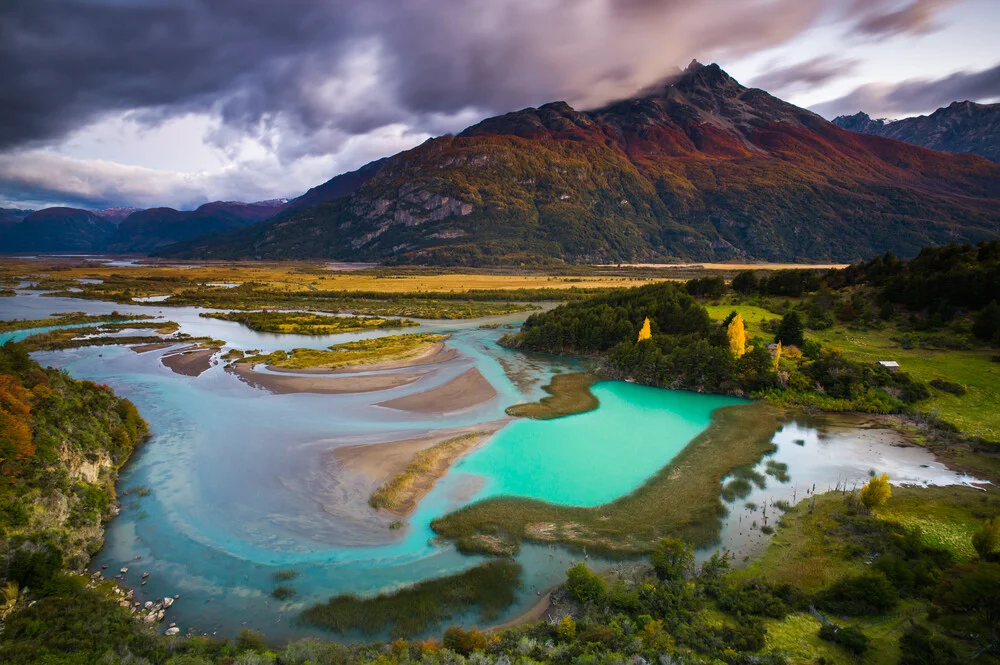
(412, 610)
(568, 394)
(305, 323)
(69, 318)
(392, 348)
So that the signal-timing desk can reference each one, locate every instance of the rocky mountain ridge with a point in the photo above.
(961, 127)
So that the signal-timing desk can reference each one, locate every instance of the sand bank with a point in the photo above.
(464, 391)
(324, 385)
(144, 348)
(406, 470)
(536, 612)
(189, 361)
(437, 353)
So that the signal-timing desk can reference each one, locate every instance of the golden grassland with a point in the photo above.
(567, 394)
(681, 500)
(806, 552)
(401, 493)
(392, 348)
(304, 277)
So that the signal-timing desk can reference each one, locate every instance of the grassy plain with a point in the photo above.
(812, 549)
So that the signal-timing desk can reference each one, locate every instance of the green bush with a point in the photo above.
(584, 585)
(920, 646)
(870, 593)
(850, 638)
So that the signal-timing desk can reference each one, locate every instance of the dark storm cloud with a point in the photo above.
(915, 95)
(807, 73)
(302, 65)
(915, 17)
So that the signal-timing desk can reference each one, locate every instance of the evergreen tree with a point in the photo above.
(791, 332)
(987, 323)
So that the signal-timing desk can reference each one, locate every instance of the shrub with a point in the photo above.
(870, 593)
(566, 629)
(672, 559)
(920, 646)
(584, 585)
(464, 642)
(987, 539)
(759, 598)
(948, 387)
(850, 638)
(876, 492)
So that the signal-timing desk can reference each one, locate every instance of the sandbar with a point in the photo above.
(536, 612)
(468, 389)
(378, 461)
(191, 361)
(323, 385)
(156, 346)
(437, 353)
(391, 463)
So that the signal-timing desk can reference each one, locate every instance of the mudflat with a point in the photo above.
(283, 384)
(190, 361)
(468, 389)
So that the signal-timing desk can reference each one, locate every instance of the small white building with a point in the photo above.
(890, 365)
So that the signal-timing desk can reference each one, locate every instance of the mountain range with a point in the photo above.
(963, 127)
(696, 168)
(122, 230)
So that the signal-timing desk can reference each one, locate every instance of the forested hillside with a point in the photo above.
(62, 442)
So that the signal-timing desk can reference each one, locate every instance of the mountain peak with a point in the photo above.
(962, 126)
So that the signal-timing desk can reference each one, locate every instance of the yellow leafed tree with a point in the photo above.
(777, 356)
(645, 333)
(876, 492)
(737, 336)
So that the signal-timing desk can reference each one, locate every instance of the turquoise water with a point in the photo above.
(242, 483)
(19, 335)
(595, 457)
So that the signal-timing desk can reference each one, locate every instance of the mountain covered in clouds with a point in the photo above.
(123, 230)
(962, 127)
(698, 168)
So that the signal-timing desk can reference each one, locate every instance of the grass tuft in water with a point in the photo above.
(568, 394)
(491, 587)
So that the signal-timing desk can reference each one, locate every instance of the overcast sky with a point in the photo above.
(180, 102)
